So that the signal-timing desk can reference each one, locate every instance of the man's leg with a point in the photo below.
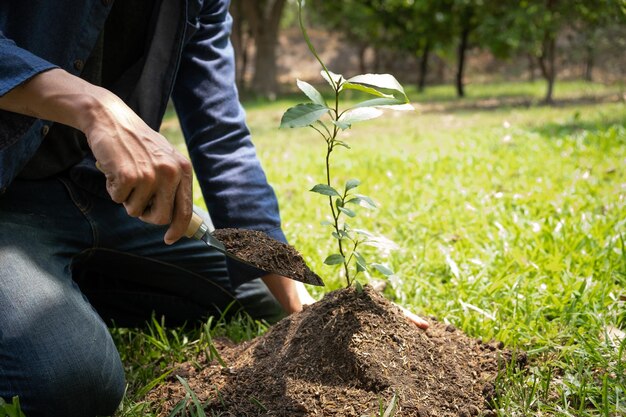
(56, 353)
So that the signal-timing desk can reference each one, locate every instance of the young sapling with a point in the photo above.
(330, 120)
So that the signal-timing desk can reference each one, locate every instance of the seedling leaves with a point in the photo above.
(381, 85)
(302, 115)
(359, 115)
(340, 143)
(361, 263)
(382, 269)
(347, 212)
(341, 124)
(363, 201)
(334, 80)
(311, 92)
(366, 89)
(325, 190)
(334, 259)
(352, 183)
(391, 103)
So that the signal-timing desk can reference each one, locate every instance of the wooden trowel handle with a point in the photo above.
(195, 224)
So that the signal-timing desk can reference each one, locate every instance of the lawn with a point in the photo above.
(511, 222)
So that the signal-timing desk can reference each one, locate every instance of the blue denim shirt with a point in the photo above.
(190, 60)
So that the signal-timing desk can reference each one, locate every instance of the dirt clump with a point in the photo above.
(343, 356)
(270, 255)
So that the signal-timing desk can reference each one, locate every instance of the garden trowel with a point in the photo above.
(198, 229)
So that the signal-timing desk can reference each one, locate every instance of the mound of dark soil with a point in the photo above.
(341, 357)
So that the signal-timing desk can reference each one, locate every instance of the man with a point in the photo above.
(90, 80)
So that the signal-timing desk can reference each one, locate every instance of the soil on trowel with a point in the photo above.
(343, 356)
(268, 254)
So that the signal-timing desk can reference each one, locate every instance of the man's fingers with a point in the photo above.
(414, 318)
(118, 188)
(140, 201)
(182, 209)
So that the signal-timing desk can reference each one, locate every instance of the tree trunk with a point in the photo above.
(264, 20)
(547, 63)
(421, 82)
(460, 91)
(362, 50)
(589, 61)
(377, 59)
(531, 68)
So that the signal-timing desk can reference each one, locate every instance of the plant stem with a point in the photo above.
(336, 213)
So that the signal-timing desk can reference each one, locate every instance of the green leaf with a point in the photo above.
(376, 102)
(382, 269)
(384, 82)
(338, 202)
(325, 189)
(363, 201)
(352, 183)
(341, 235)
(347, 211)
(338, 79)
(302, 115)
(368, 201)
(364, 232)
(366, 89)
(361, 263)
(311, 92)
(359, 115)
(358, 287)
(334, 259)
(341, 143)
(341, 125)
(326, 223)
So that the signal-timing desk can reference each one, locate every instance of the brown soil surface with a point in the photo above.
(268, 254)
(342, 356)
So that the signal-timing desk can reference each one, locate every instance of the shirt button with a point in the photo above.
(44, 130)
(79, 64)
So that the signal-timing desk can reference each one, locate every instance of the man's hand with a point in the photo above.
(414, 318)
(291, 295)
(144, 172)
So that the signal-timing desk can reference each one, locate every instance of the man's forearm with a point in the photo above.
(58, 96)
(144, 171)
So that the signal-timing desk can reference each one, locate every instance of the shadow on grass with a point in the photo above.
(511, 101)
(575, 125)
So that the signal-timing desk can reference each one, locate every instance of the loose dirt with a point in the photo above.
(344, 356)
(268, 254)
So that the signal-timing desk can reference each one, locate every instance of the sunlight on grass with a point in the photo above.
(511, 223)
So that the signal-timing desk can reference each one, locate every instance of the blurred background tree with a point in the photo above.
(422, 40)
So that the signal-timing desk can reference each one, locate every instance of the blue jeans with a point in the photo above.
(70, 262)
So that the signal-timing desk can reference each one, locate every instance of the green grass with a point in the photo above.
(511, 222)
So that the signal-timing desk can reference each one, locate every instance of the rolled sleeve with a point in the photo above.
(18, 65)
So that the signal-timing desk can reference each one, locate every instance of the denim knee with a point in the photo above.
(72, 374)
(90, 384)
